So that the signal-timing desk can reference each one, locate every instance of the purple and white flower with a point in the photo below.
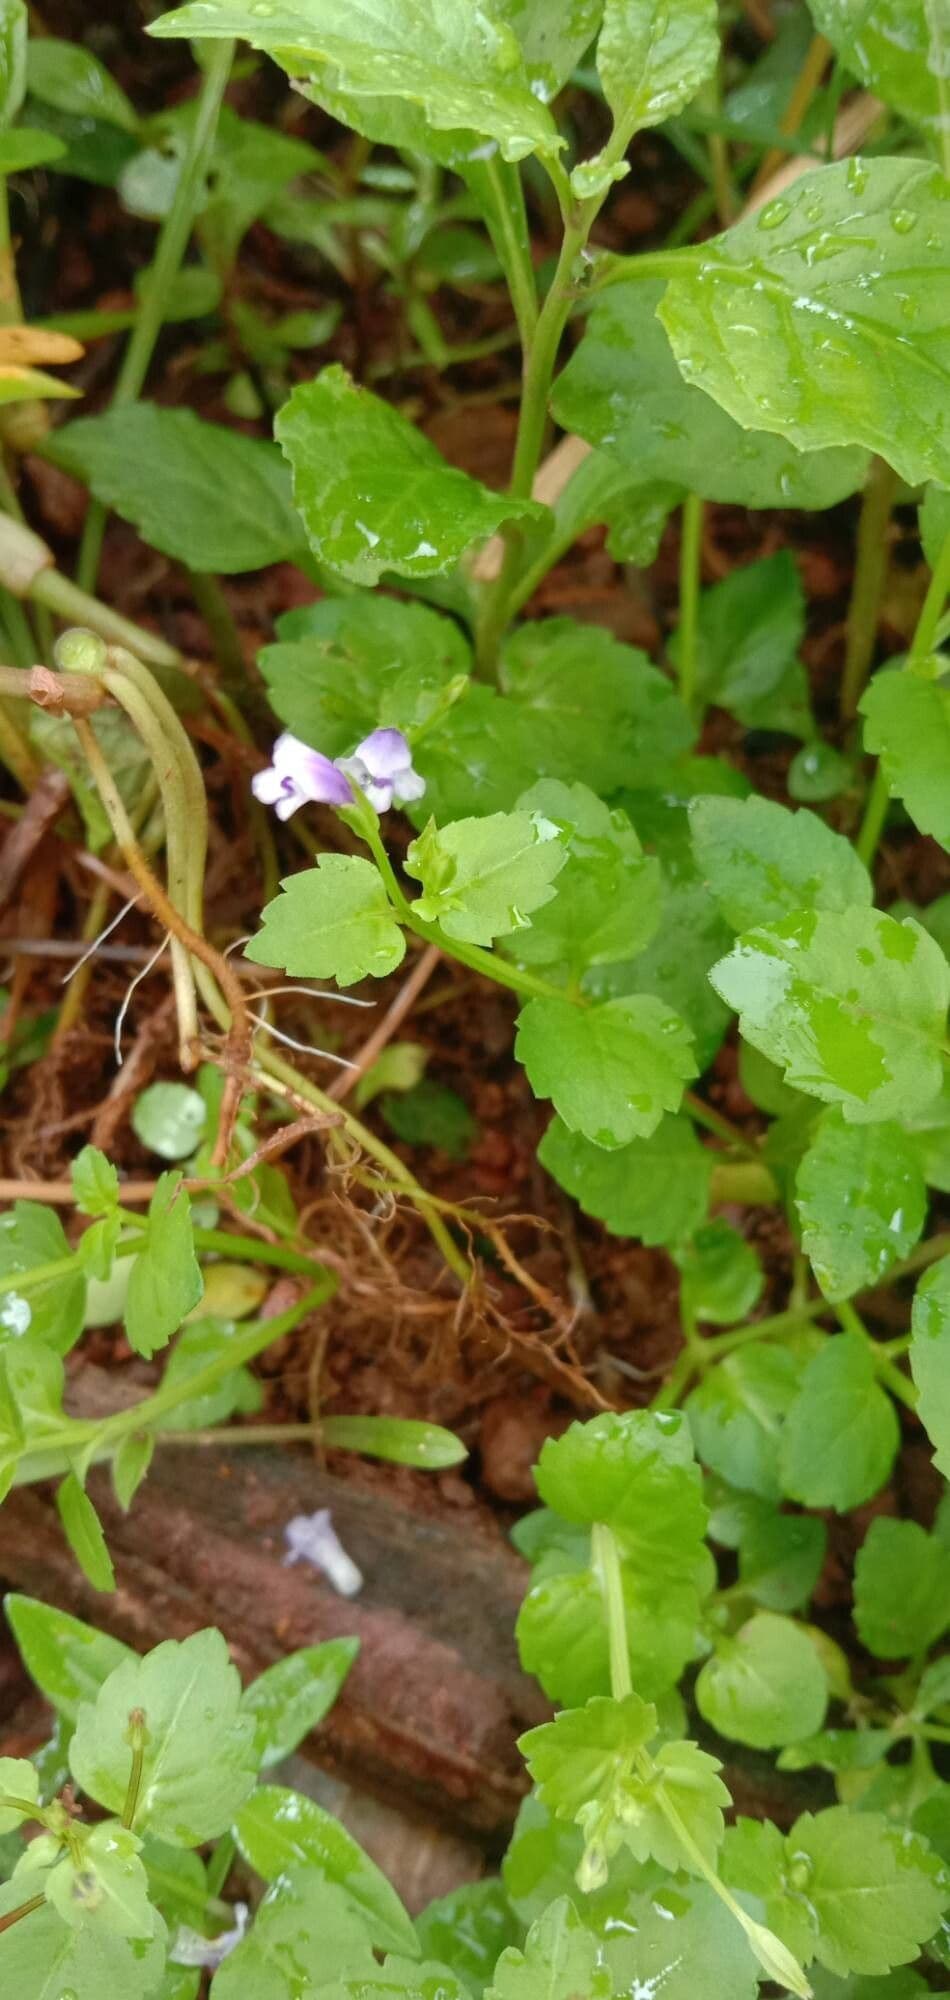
(380, 767)
(190, 1948)
(312, 1538)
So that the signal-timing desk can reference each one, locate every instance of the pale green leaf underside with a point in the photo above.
(373, 493)
(453, 60)
(331, 922)
(652, 58)
(826, 316)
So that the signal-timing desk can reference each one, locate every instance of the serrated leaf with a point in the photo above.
(841, 1433)
(223, 503)
(459, 65)
(893, 47)
(677, 977)
(623, 392)
(680, 1942)
(862, 1202)
(901, 1589)
(930, 1358)
(306, 1932)
(483, 878)
(43, 1956)
(877, 1892)
(468, 1929)
(483, 755)
(355, 663)
(398, 1979)
(373, 493)
(777, 321)
(610, 1071)
(738, 1410)
(52, 1310)
(83, 1530)
(852, 1005)
(95, 1182)
(748, 632)
(68, 1660)
(199, 1762)
(561, 1959)
(765, 1685)
(165, 1281)
(579, 1757)
(907, 725)
(755, 1862)
(333, 921)
(602, 712)
(721, 1276)
(655, 1189)
(290, 1698)
(781, 1558)
(652, 59)
(607, 902)
(763, 862)
(279, 1830)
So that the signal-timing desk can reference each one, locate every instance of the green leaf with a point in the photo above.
(894, 48)
(18, 1780)
(483, 878)
(373, 493)
(561, 1960)
(776, 321)
(636, 1473)
(42, 1956)
(460, 66)
(541, 1864)
(130, 1466)
(125, 753)
(199, 1760)
(72, 79)
(333, 921)
(841, 1434)
(359, 662)
(305, 1933)
(781, 1558)
(431, 1115)
(83, 1530)
(852, 1004)
(399, 1067)
(763, 862)
(170, 1119)
(68, 1661)
(290, 1698)
(279, 1830)
(655, 1189)
(104, 1886)
(607, 903)
(14, 28)
(610, 1071)
(468, 1929)
(398, 1979)
(622, 391)
(484, 754)
(738, 1410)
(678, 977)
(165, 1281)
(680, 1942)
(236, 1391)
(399, 1440)
(584, 1753)
(818, 772)
(930, 1358)
(602, 712)
(721, 1276)
(861, 1198)
(223, 502)
(52, 1309)
(903, 1985)
(934, 521)
(901, 1589)
(749, 629)
(765, 1685)
(20, 151)
(907, 725)
(876, 1891)
(652, 60)
(95, 1183)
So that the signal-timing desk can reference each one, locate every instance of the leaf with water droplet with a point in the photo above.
(861, 1200)
(611, 1071)
(804, 330)
(763, 862)
(482, 878)
(894, 48)
(653, 58)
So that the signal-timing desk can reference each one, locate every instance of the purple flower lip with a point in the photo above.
(380, 767)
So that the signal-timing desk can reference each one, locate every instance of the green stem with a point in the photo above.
(691, 547)
(870, 577)
(171, 248)
(223, 633)
(137, 1737)
(922, 645)
(76, 607)
(605, 1562)
(25, 1910)
(498, 188)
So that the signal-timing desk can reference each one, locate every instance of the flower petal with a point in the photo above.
(408, 786)
(314, 776)
(268, 786)
(385, 753)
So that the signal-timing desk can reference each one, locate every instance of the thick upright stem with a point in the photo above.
(172, 245)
